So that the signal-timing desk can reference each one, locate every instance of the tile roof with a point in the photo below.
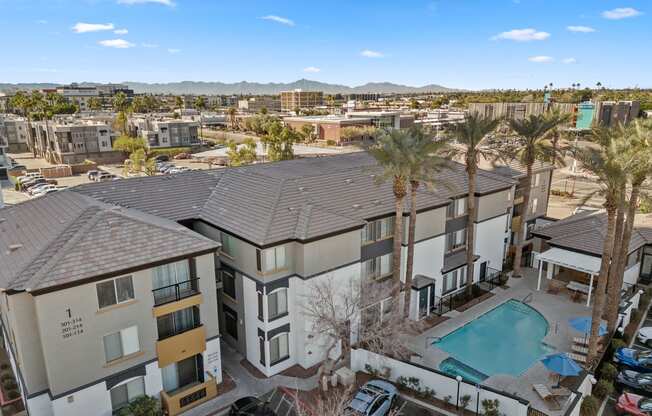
(291, 200)
(67, 237)
(585, 232)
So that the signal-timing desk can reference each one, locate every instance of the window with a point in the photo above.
(279, 348)
(378, 267)
(125, 393)
(177, 322)
(271, 260)
(456, 240)
(277, 303)
(228, 283)
(231, 322)
(182, 373)
(112, 292)
(378, 230)
(633, 258)
(120, 344)
(456, 208)
(535, 203)
(172, 282)
(535, 181)
(227, 244)
(450, 282)
(261, 351)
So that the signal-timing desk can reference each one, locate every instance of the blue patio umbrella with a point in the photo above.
(583, 325)
(562, 364)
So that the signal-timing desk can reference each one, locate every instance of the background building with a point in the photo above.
(14, 132)
(256, 104)
(165, 131)
(291, 100)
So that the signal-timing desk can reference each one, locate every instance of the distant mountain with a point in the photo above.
(253, 88)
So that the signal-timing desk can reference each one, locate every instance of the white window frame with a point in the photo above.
(280, 358)
(127, 349)
(535, 205)
(126, 384)
(227, 241)
(115, 289)
(273, 253)
(283, 311)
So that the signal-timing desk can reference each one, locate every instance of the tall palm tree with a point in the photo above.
(636, 160)
(471, 138)
(532, 143)
(24, 102)
(427, 158)
(392, 151)
(603, 162)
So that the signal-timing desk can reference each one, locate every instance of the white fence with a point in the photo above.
(443, 385)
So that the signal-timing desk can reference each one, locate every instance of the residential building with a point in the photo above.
(14, 132)
(256, 104)
(80, 95)
(291, 100)
(5, 163)
(285, 227)
(333, 128)
(102, 304)
(75, 140)
(612, 113)
(165, 132)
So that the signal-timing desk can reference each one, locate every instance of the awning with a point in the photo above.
(571, 260)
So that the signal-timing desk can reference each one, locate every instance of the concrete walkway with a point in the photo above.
(246, 384)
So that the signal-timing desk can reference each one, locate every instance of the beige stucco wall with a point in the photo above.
(494, 204)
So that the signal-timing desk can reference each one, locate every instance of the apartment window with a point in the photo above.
(279, 348)
(227, 244)
(378, 230)
(449, 282)
(261, 350)
(456, 240)
(378, 267)
(277, 304)
(231, 322)
(456, 208)
(633, 258)
(228, 283)
(182, 373)
(535, 203)
(120, 344)
(114, 291)
(172, 282)
(177, 322)
(127, 392)
(271, 260)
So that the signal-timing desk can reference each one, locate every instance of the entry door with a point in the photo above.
(423, 302)
(483, 271)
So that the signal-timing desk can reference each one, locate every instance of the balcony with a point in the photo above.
(189, 396)
(181, 346)
(175, 292)
(516, 223)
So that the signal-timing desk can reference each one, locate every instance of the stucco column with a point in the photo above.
(588, 298)
(540, 272)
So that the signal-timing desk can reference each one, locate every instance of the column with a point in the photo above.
(588, 298)
(540, 272)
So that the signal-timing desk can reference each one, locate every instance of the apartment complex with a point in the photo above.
(291, 100)
(103, 304)
(14, 133)
(5, 164)
(75, 140)
(257, 104)
(80, 95)
(164, 131)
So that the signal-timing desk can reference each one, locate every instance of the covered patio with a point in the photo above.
(573, 270)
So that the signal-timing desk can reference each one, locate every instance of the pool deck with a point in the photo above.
(557, 309)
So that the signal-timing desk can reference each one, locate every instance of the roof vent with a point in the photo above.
(378, 202)
(291, 209)
(2, 220)
(301, 188)
(348, 180)
(357, 206)
(14, 247)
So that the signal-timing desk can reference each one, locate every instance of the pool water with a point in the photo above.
(505, 340)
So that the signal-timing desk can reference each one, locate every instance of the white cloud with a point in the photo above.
(116, 43)
(580, 29)
(149, 45)
(92, 27)
(621, 13)
(121, 31)
(311, 69)
(163, 2)
(367, 53)
(541, 59)
(522, 35)
(569, 60)
(279, 19)
(173, 50)
(42, 22)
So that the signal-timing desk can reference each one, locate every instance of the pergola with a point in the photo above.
(570, 260)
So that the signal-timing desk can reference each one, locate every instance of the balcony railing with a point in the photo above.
(175, 292)
(189, 396)
(453, 300)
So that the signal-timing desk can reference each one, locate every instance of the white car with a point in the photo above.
(43, 190)
(179, 169)
(645, 336)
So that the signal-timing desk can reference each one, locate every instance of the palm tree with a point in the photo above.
(598, 85)
(603, 162)
(392, 151)
(636, 160)
(24, 102)
(426, 160)
(232, 112)
(178, 103)
(472, 139)
(532, 144)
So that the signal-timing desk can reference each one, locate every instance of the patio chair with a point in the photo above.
(560, 391)
(548, 398)
(580, 348)
(585, 340)
(577, 357)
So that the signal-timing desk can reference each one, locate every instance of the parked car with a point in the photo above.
(634, 381)
(645, 336)
(105, 176)
(640, 361)
(42, 190)
(162, 158)
(183, 156)
(250, 406)
(179, 169)
(91, 174)
(167, 168)
(29, 176)
(633, 405)
(37, 187)
(375, 398)
(33, 182)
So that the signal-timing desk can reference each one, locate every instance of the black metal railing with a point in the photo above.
(453, 300)
(175, 292)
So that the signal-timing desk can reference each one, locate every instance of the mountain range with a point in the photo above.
(246, 88)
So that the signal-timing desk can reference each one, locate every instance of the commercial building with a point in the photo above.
(14, 132)
(162, 132)
(256, 104)
(291, 100)
(334, 128)
(379, 119)
(103, 304)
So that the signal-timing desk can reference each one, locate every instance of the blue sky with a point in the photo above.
(470, 44)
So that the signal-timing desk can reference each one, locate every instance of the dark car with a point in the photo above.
(33, 183)
(250, 406)
(640, 361)
(162, 158)
(635, 381)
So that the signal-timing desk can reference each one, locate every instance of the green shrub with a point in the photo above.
(13, 394)
(636, 315)
(448, 399)
(491, 407)
(590, 406)
(142, 406)
(617, 343)
(7, 377)
(608, 372)
(9, 385)
(645, 299)
(465, 400)
(603, 389)
(331, 142)
(4, 366)
(171, 151)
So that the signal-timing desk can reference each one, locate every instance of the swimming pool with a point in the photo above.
(505, 340)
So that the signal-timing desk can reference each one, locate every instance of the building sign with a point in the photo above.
(71, 327)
